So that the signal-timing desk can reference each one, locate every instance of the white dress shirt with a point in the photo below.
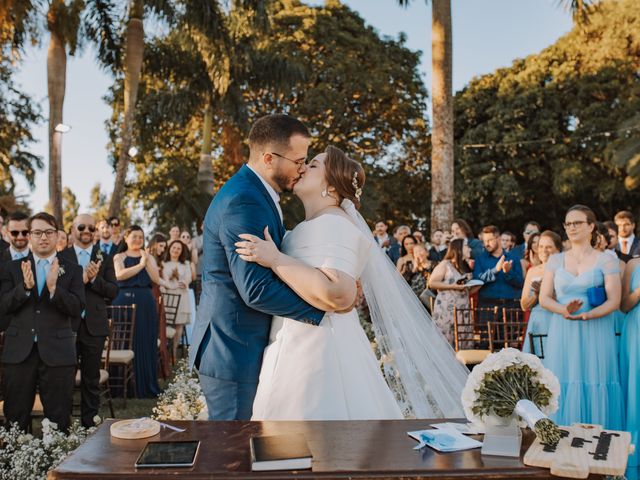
(274, 195)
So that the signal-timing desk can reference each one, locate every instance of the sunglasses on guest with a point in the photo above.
(82, 227)
(15, 233)
(114, 223)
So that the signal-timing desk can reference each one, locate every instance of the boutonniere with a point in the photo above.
(60, 271)
(99, 256)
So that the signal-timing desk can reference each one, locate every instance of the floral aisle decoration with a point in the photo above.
(512, 385)
(26, 457)
(183, 398)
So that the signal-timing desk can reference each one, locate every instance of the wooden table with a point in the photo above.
(359, 449)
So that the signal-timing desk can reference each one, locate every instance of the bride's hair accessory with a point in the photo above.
(357, 189)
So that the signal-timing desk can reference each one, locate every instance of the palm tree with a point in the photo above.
(442, 160)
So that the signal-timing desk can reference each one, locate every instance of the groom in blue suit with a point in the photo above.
(239, 298)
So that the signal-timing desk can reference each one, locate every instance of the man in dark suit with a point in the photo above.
(18, 236)
(39, 298)
(628, 243)
(100, 285)
(106, 244)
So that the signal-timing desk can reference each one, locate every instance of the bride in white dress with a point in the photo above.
(330, 372)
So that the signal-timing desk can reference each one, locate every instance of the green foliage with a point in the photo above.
(352, 88)
(70, 208)
(586, 83)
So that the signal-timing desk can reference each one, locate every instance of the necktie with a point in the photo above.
(83, 259)
(624, 246)
(105, 248)
(41, 274)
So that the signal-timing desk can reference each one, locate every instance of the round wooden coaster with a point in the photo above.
(135, 428)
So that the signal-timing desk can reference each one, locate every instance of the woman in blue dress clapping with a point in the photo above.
(549, 243)
(629, 352)
(582, 288)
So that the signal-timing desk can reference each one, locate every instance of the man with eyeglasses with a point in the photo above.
(39, 298)
(100, 286)
(114, 226)
(239, 298)
(18, 238)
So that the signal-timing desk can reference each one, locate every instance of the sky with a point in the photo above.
(487, 35)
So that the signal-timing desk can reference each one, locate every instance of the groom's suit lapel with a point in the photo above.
(253, 178)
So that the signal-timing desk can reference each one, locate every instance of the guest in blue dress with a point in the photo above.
(549, 244)
(581, 347)
(135, 272)
(630, 353)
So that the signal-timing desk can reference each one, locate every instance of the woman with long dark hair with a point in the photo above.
(582, 288)
(405, 262)
(136, 271)
(449, 279)
(177, 272)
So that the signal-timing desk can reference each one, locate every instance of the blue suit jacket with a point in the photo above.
(239, 298)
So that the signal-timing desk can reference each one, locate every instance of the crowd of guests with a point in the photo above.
(579, 289)
(55, 287)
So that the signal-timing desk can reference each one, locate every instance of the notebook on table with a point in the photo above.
(280, 452)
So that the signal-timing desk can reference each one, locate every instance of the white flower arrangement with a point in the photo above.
(25, 457)
(183, 398)
(514, 385)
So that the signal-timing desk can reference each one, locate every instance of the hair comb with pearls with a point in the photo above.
(357, 189)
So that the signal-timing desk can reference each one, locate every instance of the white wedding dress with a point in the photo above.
(325, 372)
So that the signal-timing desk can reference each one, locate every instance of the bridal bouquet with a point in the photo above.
(510, 385)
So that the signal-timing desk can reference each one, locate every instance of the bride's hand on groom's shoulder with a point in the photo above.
(254, 249)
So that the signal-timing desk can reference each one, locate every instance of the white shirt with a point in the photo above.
(14, 252)
(272, 193)
(629, 241)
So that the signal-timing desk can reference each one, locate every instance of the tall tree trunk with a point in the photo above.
(134, 51)
(205, 169)
(442, 166)
(56, 83)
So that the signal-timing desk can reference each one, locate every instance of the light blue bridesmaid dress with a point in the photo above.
(583, 353)
(539, 320)
(630, 368)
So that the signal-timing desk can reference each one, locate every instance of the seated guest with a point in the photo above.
(549, 244)
(18, 238)
(40, 297)
(405, 262)
(530, 228)
(100, 285)
(394, 248)
(500, 271)
(461, 229)
(106, 243)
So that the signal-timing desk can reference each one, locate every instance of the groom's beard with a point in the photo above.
(284, 182)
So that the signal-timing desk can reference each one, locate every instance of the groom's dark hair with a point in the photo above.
(277, 129)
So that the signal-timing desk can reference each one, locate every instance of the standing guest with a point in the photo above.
(3, 243)
(613, 236)
(192, 257)
(421, 266)
(106, 244)
(63, 241)
(381, 236)
(399, 233)
(630, 354)
(17, 225)
(500, 271)
(418, 236)
(628, 244)
(157, 249)
(531, 258)
(582, 349)
(136, 270)
(198, 242)
(174, 233)
(100, 286)
(116, 235)
(508, 241)
(449, 279)
(549, 244)
(176, 272)
(404, 264)
(438, 247)
(530, 228)
(461, 229)
(39, 298)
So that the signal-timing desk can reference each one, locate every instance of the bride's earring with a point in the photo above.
(324, 193)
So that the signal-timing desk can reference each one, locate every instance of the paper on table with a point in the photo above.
(465, 428)
(444, 440)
